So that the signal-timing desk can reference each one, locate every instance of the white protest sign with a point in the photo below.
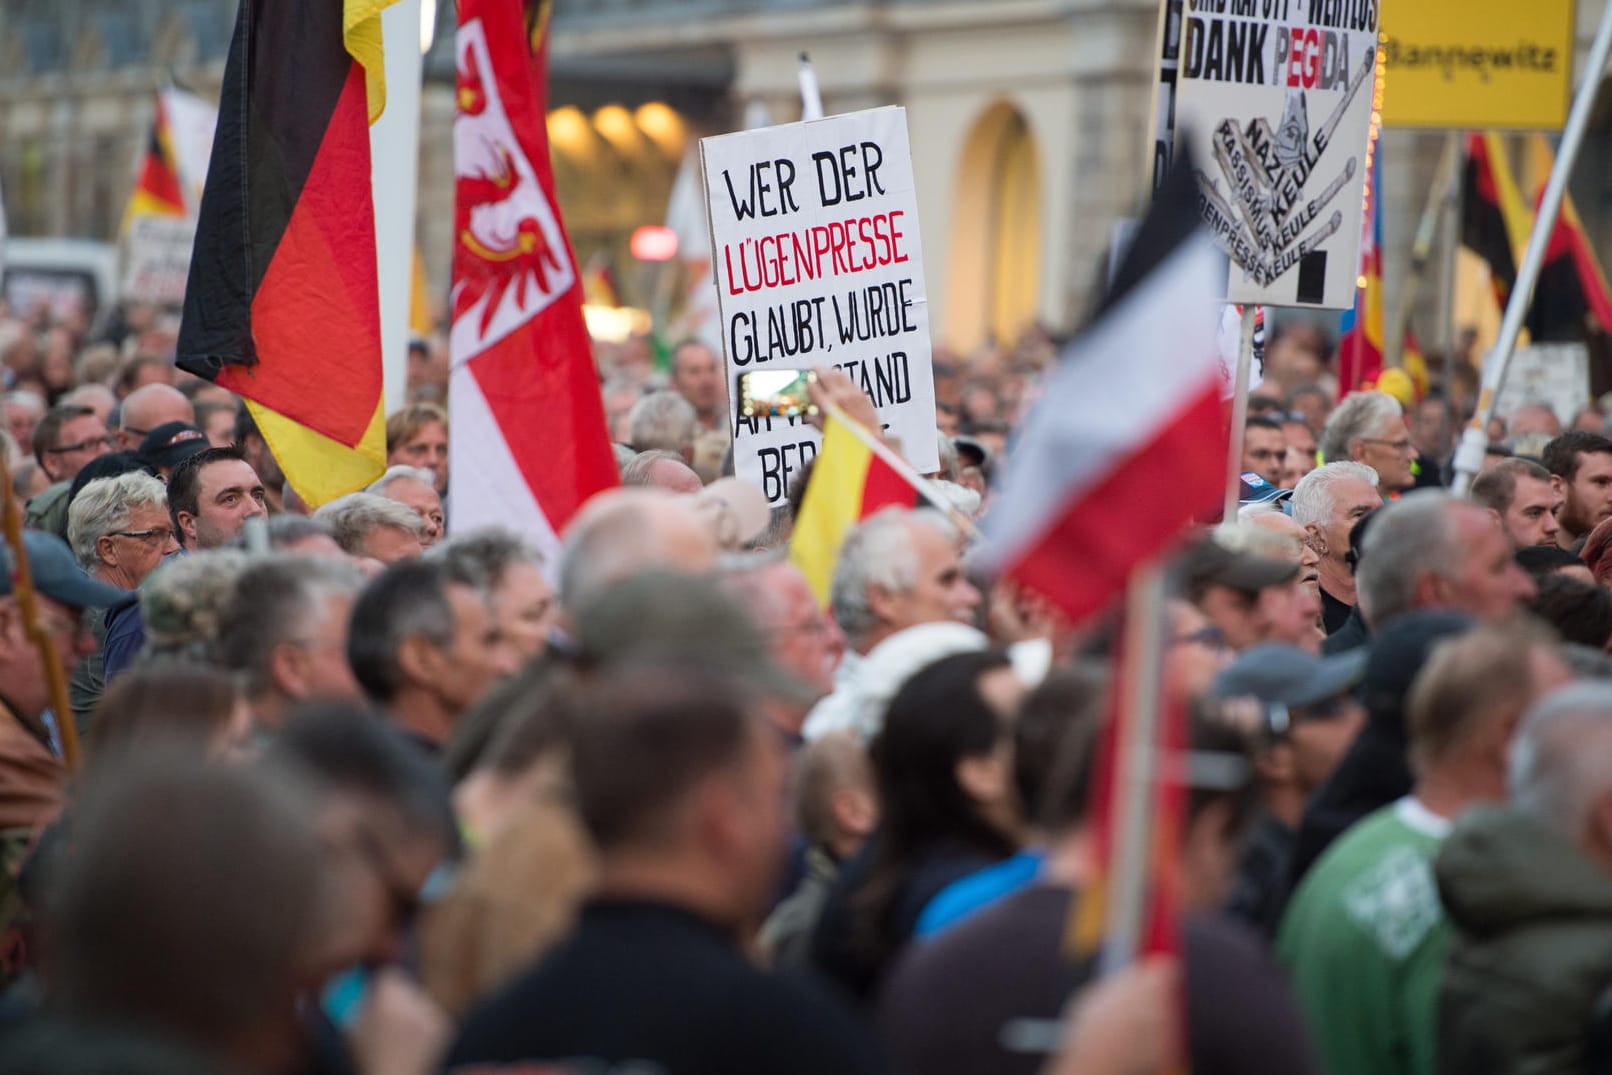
(814, 241)
(1553, 373)
(1275, 98)
(156, 259)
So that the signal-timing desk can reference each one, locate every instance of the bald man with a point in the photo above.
(148, 407)
(623, 531)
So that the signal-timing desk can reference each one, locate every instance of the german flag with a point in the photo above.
(1495, 221)
(853, 477)
(282, 305)
(1571, 298)
(157, 189)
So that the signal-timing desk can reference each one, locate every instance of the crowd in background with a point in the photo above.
(362, 793)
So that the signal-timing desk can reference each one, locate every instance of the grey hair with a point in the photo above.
(27, 398)
(289, 529)
(352, 517)
(104, 506)
(878, 552)
(663, 420)
(1248, 538)
(398, 473)
(272, 603)
(1414, 535)
(624, 455)
(1312, 497)
(636, 471)
(1561, 760)
(181, 603)
(1359, 416)
(481, 558)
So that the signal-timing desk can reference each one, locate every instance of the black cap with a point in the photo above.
(1398, 653)
(172, 443)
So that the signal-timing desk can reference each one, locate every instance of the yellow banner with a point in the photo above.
(1483, 64)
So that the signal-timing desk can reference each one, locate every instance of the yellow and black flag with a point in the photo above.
(282, 305)
(158, 190)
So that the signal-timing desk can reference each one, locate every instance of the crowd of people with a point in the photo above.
(357, 792)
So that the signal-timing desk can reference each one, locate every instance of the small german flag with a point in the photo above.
(1494, 219)
(282, 304)
(1571, 297)
(157, 188)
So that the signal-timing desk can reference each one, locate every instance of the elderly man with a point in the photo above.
(802, 638)
(147, 408)
(1532, 419)
(1528, 887)
(621, 532)
(284, 628)
(1248, 597)
(663, 421)
(1520, 493)
(374, 527)
(1369, 428)
(120, 530)
(1431, 550)
(1580, 465)
(424, 644)
(661, 470)
(1364, 937)
(510, 571)
(1327, 503)
(898, 568)
(31, 775)
(697, 376)
(21, 410)
(413, 488)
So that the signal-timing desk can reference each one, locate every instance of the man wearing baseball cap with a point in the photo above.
(171, 444)
(31, 775)
(1305, 715)
(1249, 598)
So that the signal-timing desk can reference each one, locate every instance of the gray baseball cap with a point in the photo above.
(56, 574)
(1286, 675)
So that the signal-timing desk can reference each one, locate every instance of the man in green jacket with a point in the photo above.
(1364, 937)
(1528, 887)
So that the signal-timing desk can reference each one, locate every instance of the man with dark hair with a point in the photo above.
(697, 375)
(256, 452)
(1521, 494)
(424, 644)
(1580, 466)
(1580, 612)
(211, 495)
(680, 781)
(65, 440)
(1264, 448)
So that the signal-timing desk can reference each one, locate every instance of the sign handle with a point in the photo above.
(1475, 441)
(1239, 411)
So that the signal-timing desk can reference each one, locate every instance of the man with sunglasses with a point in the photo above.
(1304, 716)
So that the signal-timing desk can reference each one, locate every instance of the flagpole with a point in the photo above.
(1474, 443)
(394, 140)
(895, 462)
(1239, 410)
(1450, 217)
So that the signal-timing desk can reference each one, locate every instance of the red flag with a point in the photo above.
(528, 441)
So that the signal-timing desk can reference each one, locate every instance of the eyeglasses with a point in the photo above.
(93, 442)
(165, 533)
(1212, 637)
(1403, 447)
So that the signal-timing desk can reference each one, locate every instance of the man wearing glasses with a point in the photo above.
(66, 439)
(1369, 428)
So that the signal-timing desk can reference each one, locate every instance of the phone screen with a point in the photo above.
(775, 393)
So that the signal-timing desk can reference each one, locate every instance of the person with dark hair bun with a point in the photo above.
(943, 766)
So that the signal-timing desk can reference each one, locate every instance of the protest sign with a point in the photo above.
(1480, 64)
(156, 259)
(1275, 98)
(814, 241)
(1553, 373)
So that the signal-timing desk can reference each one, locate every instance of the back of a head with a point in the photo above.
(823, 768)
(1578, 611)
(1409, 537)
(181, 603)
(936, 720)
(664, 421)
(623, 531)
(1496, 486)
(1561, 762)
(183, 705)
(184, 902)
(1542, 561)
(407, 598)
(482, 557)
(1468, 681)
(1562, 455)
(647, 737)
(1398, 654)
(1312, 496)
(1053, 741)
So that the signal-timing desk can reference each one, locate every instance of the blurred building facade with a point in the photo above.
(1027, 121)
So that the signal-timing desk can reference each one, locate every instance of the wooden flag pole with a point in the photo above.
(22, 585)
(1475, 442)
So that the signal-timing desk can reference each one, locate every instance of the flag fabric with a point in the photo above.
(850, 480)
(1571, 297)
(1125, 446)
(1360, 343)
(191, 121)
(686, 215)
(1495, 220)
(528, 443)
(282, 305)
(158, 190)
(419, 298)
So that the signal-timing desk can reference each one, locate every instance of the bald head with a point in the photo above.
(148, 407)
(623, 531)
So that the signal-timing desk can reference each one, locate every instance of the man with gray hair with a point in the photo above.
(414, 488)
(1327, 503)
(509, 569)
(120, 530)
(372, 527)
(662, 470)
(21, 410)
(663, 420)
(1528, 887)
(1369, 428)
(284, 629)
(623, 531)
(1431, 550)
(897, 569)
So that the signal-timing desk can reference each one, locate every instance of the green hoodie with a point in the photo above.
(1532, 952)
